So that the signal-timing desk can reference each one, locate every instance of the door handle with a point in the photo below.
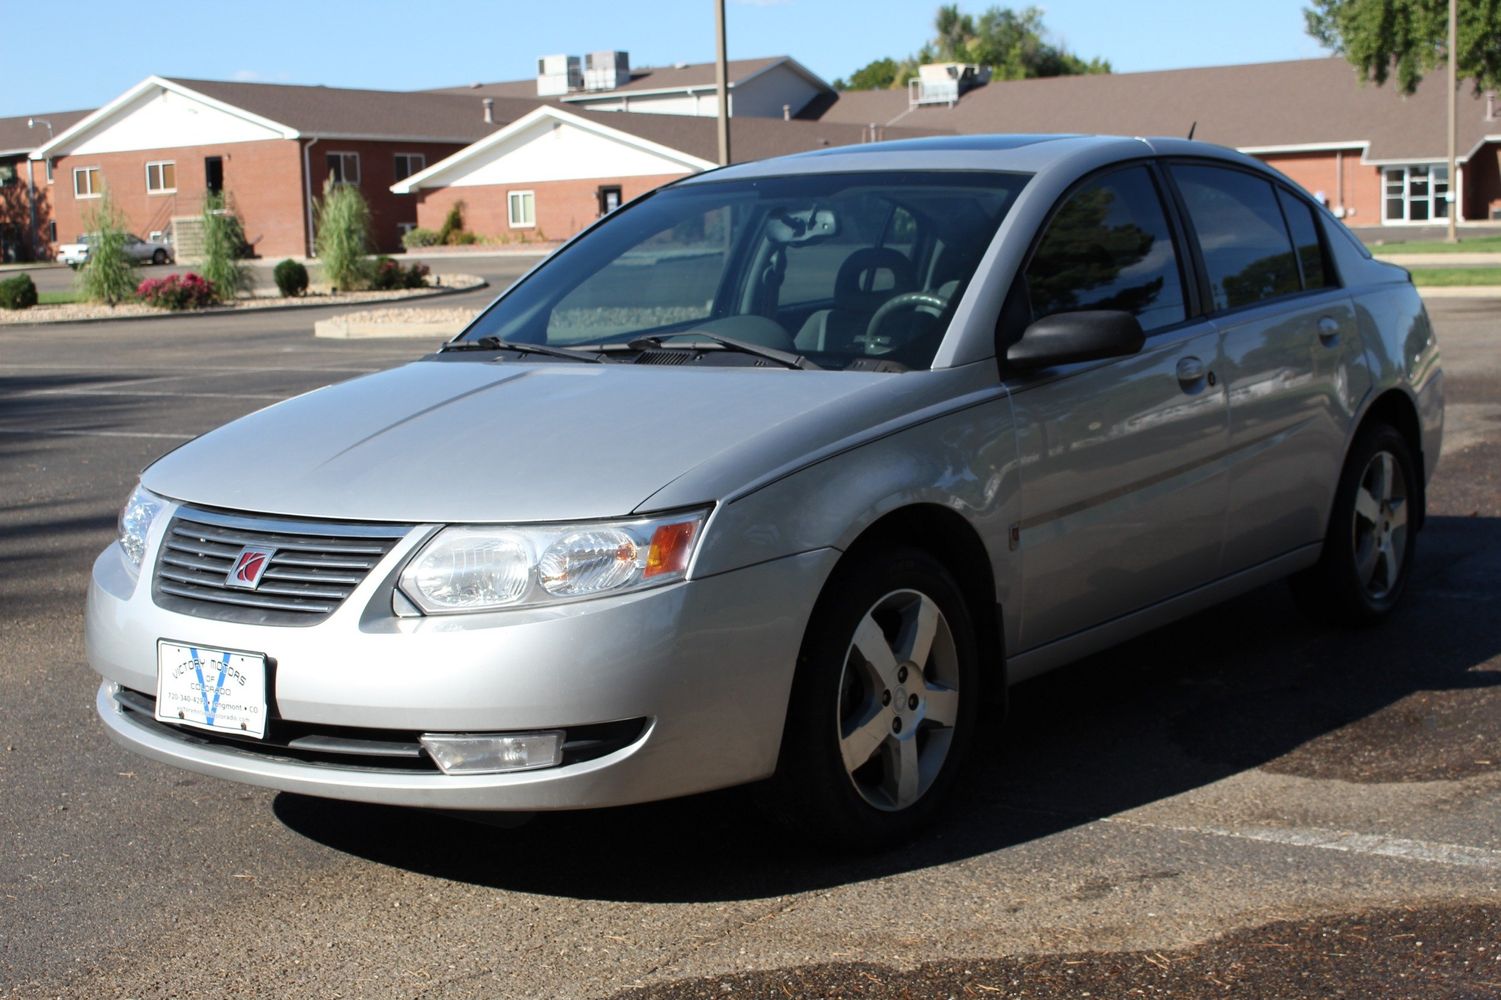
(1328, 330)
(1190, 371)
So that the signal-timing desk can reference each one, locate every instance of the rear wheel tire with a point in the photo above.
(1372, 537)
(884, 703)
(159, 258)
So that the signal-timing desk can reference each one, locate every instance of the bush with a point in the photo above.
(223, 243)
(453, 222)
(17, 293)
(109, 275)
(291, 278)
(414, 239)
(178, 292)
(390, 275)
(344, 236)
(462, 238)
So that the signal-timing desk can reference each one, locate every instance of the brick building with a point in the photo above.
(164, 144)
(26, 223)
(1376, 157)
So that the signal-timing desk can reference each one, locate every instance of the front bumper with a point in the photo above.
(707, 663)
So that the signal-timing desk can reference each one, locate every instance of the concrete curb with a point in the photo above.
(436, 291)
(340, 328)
(1460, 291)
(1438, 259)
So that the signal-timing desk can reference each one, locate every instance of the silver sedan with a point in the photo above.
(772, 475)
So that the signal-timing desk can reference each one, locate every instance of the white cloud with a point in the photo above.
(246, 76)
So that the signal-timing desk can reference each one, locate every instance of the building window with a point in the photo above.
(609, 198)
(86, 182)
(523, 209)
(51, 230)
(161, 177)
(1416, 193)
(48, 162)
(408, 164)
(8, 174)
(344, 168)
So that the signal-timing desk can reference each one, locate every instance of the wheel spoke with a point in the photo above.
(1367, 506)
(918, 630)
(942, 705)
(861, 744)
(1388, 564)
(1365, 562)
(1399, 514)
(870, 642)
(903, 776)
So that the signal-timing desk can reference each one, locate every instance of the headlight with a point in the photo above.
(135, 521)
(465, 568)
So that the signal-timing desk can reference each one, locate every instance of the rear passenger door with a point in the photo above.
(1290, 355)
(1122, 483)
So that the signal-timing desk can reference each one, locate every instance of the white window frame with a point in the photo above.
(1438, 205)
(48, 162)
(345, 158)
(416, 162)
(159, 164)
(90, 193)
(526, 198)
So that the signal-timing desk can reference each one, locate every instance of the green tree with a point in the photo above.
(223, 236)
(109, 275)
(1012, 43)
(1410, 37)
(344, 236)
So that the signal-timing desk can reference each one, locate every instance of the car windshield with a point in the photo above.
(843, 269)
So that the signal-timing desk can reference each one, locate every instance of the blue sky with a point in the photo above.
(107, 46)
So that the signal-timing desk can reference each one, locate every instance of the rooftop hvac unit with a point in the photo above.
(942, 83)
(606, 70)
(558, 75)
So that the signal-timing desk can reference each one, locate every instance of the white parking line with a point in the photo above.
(33, 431)
(1376, 845)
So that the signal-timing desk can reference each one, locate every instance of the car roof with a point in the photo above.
(1022, 153)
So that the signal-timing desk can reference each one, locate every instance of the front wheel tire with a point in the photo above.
(1372, 537)
(884, 703)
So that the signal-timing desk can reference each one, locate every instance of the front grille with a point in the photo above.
(353, 748)
(314, 569)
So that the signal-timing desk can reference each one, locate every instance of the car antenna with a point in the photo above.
(1191, 129)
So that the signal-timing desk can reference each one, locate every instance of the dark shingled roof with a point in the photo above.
(373, 114)
(750, 138)
(1300, 102)
(659, 78)
(15, 137)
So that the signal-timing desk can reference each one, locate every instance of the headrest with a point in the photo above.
(860, 285)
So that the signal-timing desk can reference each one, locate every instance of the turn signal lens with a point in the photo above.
(671, 548)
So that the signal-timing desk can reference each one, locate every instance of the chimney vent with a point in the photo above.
(489, 103)
(786, 112)
(1490, 106)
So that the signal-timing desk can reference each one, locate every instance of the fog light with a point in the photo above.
(493, 753)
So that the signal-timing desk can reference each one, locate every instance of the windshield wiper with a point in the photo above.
(496, 344)
(785, 358)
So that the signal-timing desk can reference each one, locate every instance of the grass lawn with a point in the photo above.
(1456, 276)
(1466, 244)
(58, 298)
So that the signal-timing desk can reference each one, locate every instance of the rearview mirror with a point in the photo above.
(802, 227)
(1087, 335)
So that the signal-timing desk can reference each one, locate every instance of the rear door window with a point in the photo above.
(1109, 247)
(1248, 254)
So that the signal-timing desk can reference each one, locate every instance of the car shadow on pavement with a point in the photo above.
(1249, 684)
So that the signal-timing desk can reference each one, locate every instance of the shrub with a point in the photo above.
(291, 278)
(18, 293)
(462, 238)
(414, 239)
(109, 275)
(344, 236)
(223, 242)
(390, 275)
(453, 222)
(178, 292)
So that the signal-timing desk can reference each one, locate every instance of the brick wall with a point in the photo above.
(263, 179)
(15, 210)
(563, 207)
(377, 174)
(1320, 172)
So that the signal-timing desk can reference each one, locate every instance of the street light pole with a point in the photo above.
(31, 184)
(1453, 116)
(722, 84)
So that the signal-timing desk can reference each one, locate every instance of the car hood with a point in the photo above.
(456, 441)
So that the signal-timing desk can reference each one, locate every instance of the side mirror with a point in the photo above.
(1064, 338)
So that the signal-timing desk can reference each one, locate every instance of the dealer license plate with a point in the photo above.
(218, 689)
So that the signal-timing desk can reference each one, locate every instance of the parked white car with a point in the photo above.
(75, 255)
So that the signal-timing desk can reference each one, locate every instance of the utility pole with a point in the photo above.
(722, 83)
(1453, 117)
(36, 241)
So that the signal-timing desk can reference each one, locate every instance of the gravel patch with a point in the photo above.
(442, 283)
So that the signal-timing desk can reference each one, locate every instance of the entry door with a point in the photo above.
(1123, 482)
(213, 174)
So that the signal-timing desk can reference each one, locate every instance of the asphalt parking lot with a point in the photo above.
(1239, 805)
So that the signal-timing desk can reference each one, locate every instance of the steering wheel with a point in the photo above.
(926, 302)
